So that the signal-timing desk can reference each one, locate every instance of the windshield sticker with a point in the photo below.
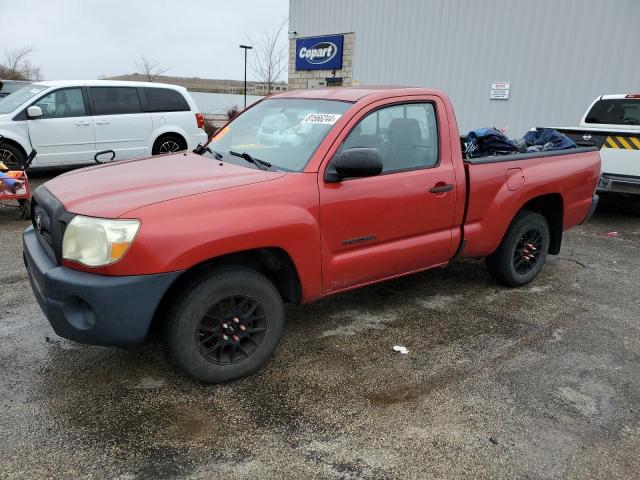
(322, 118)
(220, 133)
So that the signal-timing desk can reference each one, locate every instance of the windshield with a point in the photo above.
(9, 103)
(619, 111)
(10, 86)
(282, 132)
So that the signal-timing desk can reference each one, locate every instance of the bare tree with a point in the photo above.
(150, 68)
(270, 60)
(17, 66)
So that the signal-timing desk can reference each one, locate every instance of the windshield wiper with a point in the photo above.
(201, 150)
(261, 164)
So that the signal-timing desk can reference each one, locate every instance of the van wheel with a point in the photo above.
(168, 144)
(226, 324)
(522, 252)
(11, 156)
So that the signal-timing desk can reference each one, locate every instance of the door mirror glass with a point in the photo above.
(355, 163)
(34, 112)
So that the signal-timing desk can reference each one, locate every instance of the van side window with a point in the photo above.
(165, 100)
(67, 102)
(115, 100)
(405, 135)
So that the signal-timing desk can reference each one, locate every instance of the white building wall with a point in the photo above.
(558, 54)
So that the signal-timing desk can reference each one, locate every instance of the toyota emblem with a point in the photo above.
(586, 136)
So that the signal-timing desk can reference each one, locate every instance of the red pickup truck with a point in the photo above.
(305, 194)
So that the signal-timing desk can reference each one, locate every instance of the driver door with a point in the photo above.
(64, 134)
(401, 220)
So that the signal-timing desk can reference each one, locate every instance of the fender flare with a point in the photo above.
(12, 137)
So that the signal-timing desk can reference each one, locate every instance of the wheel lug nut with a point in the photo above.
(235, 338)
(224, 325)
(224, 337)
(236, 319)
(243, 328)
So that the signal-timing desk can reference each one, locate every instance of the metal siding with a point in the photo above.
(558, 54)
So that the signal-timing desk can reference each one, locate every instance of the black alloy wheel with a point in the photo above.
(232, 330)
(224, 324)
(522, 252)
(527, 251)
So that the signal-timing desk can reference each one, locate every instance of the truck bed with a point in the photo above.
(499, 186)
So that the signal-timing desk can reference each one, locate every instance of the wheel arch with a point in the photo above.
(273, 262)
(169, 132)
(551, 207)
(14, 143)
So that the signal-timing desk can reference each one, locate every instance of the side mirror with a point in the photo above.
(355, 163)
(34, 112)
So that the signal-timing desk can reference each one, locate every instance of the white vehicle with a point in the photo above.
(612, 123)
(68, 122)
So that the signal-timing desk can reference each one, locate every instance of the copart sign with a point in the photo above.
(319, 53)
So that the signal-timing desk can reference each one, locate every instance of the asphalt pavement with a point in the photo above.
(537, 382)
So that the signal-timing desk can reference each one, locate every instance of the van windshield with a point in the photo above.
(280, 131)
(619, 111)
(13, 101)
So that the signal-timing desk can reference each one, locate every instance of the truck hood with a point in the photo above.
(112, 190)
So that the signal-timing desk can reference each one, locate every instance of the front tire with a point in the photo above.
(11, 156)
(225, 325)
(522, 252)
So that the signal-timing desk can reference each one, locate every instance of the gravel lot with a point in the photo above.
(538, 382)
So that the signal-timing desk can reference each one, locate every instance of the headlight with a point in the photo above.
(96, 242)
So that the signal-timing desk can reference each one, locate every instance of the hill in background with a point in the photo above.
(194, 84)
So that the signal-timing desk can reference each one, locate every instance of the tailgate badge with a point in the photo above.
(586, 136)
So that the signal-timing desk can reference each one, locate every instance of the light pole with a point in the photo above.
(245, 48)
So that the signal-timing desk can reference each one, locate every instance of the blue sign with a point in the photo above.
(319, 53)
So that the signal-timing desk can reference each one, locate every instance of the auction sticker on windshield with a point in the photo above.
(321, 118)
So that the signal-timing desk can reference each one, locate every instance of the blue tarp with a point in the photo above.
(547, 139)
(483, 142)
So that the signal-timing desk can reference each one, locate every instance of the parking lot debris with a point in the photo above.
(400, 349)
(610, 234)
(493, 440)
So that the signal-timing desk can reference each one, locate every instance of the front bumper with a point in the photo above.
(619, 184)
(90, 308)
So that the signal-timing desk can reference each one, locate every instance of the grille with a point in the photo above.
(50, 220)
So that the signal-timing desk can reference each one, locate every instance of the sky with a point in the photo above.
(76, 39)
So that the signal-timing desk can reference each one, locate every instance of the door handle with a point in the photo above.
(441, 188)
(102, 122)
(82, 124)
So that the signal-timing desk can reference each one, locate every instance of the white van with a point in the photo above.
(68, 122)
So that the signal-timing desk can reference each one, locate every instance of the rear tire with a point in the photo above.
(171, 143)
(226, 324)
(522, 252)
